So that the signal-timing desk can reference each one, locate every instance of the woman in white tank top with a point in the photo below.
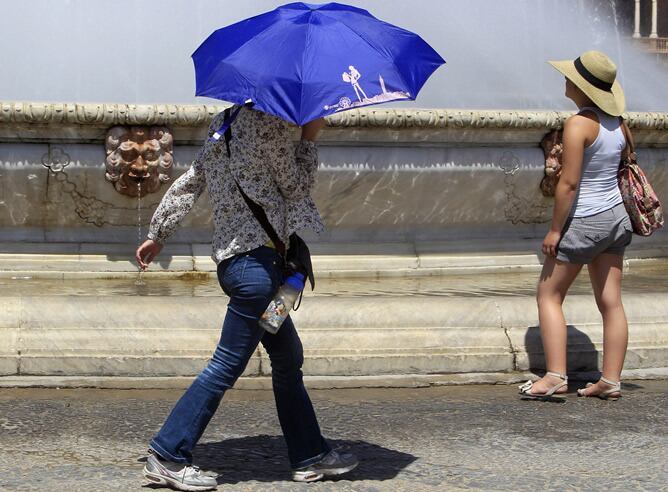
(589, 226)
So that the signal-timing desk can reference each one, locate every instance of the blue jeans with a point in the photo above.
(250, 280)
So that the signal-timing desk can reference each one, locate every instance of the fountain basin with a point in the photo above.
(351, 328)
(427, 203)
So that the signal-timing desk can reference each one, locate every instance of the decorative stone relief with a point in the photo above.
(88, 123)
(552, 148)
(90, 209)
(521, 207)
(139, 158)
(107, 114)
(56, 159)
(201, 115)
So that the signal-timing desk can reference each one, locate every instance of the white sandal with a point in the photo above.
(606, 394)
(525, 389)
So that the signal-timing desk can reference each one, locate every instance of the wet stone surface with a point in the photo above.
(649, 278)
(449, 438)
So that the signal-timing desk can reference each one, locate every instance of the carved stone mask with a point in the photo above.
(138, 154)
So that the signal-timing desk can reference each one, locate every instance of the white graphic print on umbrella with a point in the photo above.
(353, 78)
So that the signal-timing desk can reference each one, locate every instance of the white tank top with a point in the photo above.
(598, 190)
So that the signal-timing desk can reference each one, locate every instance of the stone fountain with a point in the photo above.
(435, 216)
(406, 194)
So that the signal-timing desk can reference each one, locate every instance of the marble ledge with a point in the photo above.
(74, 122)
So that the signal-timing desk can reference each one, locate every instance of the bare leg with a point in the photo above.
(555, 280)
(605, 273)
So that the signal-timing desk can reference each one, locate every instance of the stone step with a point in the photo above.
(164, 336)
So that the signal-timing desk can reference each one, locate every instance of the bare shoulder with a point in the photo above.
(582, 126)
(581, 120)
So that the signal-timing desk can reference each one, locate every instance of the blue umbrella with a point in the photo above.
(303, 61)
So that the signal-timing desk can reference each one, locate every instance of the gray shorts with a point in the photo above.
(584, 238)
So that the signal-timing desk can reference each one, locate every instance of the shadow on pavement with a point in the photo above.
(264, 458)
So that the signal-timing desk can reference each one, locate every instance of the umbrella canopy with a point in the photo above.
(303, 61)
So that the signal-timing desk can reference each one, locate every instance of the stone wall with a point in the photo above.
(405, 176)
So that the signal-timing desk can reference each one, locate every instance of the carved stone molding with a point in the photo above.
(107, 114)
(71, 122)
(448, 118)
(88, 123)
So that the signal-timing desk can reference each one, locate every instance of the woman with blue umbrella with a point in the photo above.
(295, 64)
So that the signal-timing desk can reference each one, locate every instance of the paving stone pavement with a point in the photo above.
(445, 438)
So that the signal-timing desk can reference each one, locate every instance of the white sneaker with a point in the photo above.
(331, 465)
(177, 475)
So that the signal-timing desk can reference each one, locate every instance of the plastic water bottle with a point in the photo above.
(280, 306)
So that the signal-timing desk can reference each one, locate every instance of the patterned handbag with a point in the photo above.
(640, 200)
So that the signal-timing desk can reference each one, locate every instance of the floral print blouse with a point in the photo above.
(270, 170)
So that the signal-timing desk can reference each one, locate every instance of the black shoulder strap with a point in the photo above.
(228, 131)
(225, 129)
(261, 216)
(257, 210)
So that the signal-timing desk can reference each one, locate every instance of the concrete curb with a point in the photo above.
(312, 382)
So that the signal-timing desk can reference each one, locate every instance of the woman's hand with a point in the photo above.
(311, 129)
(147, 252)
(550, 243)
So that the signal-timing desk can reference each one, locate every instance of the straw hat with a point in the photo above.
(595, 74)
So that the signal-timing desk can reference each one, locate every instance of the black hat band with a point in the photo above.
(590, 77)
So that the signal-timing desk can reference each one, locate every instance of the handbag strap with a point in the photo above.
(630, 144)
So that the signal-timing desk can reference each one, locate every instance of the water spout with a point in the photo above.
(138, 154)
(140, 274)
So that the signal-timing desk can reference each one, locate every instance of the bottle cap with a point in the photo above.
(296, 281)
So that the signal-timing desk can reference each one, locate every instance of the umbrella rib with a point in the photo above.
(372, 46)
(301, 75)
